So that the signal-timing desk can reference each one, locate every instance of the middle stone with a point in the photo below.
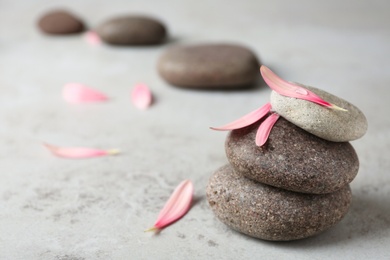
(292, 159)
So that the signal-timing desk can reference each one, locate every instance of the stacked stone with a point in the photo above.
(297, 184)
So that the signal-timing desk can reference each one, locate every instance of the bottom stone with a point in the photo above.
(270, 213)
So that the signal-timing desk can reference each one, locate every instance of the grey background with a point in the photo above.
(53, 208)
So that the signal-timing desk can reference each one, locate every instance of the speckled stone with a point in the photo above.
(269, 213)
(292, 159)
(60, 22)
(209, 66)
(132, 30)
(329, 124)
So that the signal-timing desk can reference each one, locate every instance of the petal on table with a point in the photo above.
(92, 38)
(79, 93)
(79, 152)
(141, 96)
(176, 207)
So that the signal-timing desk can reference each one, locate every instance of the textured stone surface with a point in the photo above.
(292, 159)
(330, 124)
(132, 30)
(60, 22)
(209, 65)
(270, 213)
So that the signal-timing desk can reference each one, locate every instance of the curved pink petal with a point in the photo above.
(141, 96)
(79, 93)
(176, 207)
(289, 89)
(265, 129)
(246, 120)
(92, 38)
(78, 152)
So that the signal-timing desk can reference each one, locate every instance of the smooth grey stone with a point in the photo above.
(60, 22)
(209, 66)
(132, 30)
(292, 159)
(329, 124)
(269, 213)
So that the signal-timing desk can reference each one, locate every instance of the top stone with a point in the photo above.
(60, 22)
(132, 30)
(209, 66)
(329, 124)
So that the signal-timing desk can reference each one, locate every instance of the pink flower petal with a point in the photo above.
(78, 152)
(141, 96)
(289, 89)
(176, 207)
(92, 38)
(79, 93)
(246, 120)
(265, 129)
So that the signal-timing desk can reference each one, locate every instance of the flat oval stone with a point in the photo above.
(329, 124)
(60, 22)
(269, 213)
(292, 159)
(209, 66)
(132, 30)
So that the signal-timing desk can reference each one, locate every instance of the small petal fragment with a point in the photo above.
(79, 93)
(265, 129)
(141, 96)
(92, 38)
(246, 120)
(176, 207)
(79, 152)
(289, 89)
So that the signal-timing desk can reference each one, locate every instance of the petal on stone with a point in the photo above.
(246, 120)
(265, 129)
(141, 96)
(176, 207)
(79, 93)
(289, 89)
(79, 152)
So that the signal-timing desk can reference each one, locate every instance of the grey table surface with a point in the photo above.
(53, 208)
